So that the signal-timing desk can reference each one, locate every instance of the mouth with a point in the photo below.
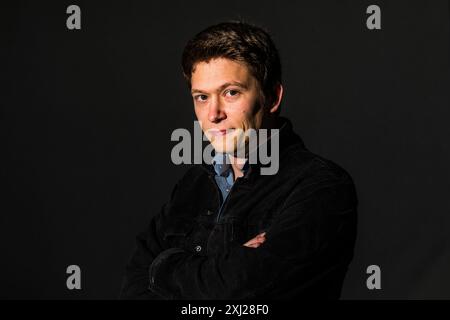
(220, 132)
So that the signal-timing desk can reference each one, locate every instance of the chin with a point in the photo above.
(222, 149)
(230, 143)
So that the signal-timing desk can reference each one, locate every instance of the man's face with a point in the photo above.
(227, 102)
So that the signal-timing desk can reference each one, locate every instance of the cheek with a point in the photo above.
(200, 113)
(241, 118)
(249, 117)
(244, 111)
(196, 112)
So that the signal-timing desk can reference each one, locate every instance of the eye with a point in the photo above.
(232, 93)
(201, 97)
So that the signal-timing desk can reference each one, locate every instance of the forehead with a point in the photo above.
(214, 73)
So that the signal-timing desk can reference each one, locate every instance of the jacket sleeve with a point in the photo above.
(149, 245)
(312, 236)
(136, 280)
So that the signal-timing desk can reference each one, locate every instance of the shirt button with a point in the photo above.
(228, 190)
(198, 248)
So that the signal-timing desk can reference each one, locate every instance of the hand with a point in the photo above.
(256, 241)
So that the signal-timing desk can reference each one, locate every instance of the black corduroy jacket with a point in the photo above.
(307, 209)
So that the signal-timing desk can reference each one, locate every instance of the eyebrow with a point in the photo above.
(223, 86)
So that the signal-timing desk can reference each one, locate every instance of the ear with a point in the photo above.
(277, 99)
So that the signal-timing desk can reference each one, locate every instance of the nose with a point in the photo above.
(215, 111)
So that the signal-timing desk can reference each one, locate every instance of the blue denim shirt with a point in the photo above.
(224, 174)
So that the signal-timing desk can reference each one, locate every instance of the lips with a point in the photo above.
(220, 132)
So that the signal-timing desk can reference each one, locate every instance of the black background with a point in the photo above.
(86, 119)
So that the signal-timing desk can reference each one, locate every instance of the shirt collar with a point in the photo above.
(222, 164)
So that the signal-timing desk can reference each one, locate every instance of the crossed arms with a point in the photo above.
(311, 237)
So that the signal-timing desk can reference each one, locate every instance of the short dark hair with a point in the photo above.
(241, 42)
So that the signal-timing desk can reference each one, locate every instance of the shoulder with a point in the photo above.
(193, 175)
(191, 184)
(312, 174)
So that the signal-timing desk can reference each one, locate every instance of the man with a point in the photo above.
(228, 231)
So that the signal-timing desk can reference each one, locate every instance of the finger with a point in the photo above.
(260, 238)
(253, 242)
(254, 245)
